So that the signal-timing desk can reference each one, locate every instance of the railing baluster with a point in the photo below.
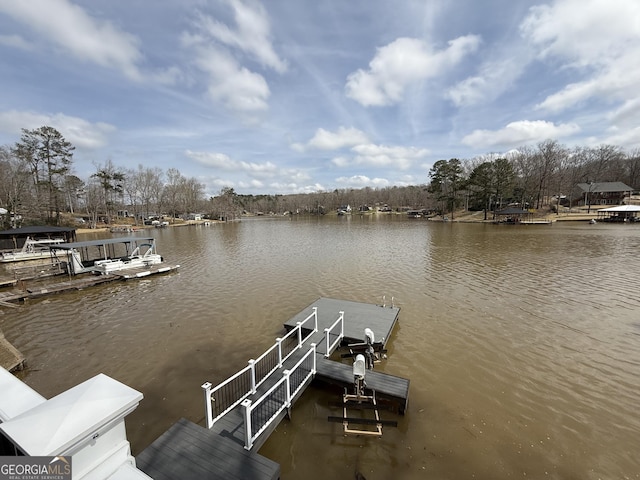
(252, 367)
(315, 314)
(279, 343)
(326, 336)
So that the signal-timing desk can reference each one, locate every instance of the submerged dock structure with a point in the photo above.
(242, 411)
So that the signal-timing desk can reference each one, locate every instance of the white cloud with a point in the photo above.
(598, 39)
(586, 31)
(344, 137)
(80, 132)
(375, 156)
(16, 41)
(402, 63)
(630, 138)
(296, 188)
(230, 84)
(398, 157)
(253, 34)
(69, 27)
(518, 133)
(224, 162)
(250, 175)
(215, 47)
(627, 114)
(494, 78)
(360, 181)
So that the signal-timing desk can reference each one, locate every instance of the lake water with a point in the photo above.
(522, 343)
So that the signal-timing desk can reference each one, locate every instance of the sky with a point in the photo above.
(295, 96)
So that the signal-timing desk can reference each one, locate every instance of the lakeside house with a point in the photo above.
(601, 193)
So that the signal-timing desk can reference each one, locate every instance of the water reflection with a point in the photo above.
(522, 343)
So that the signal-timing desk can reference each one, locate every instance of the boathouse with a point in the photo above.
(620, 213)
(512, 215)
(15, 238)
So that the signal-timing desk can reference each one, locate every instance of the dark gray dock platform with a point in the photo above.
(357, 317)
(388, 387)
(189, 451)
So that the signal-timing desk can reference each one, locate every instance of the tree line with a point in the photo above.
(38, 184)
(531, 176)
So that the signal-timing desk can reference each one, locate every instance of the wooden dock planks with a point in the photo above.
(78, 283)
(10, 358)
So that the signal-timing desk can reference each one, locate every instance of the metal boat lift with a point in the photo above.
(362, 399)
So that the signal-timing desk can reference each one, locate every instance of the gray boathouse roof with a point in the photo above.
(104, 241)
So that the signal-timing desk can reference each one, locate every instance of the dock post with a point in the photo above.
(279, 343)
(315, 369)
(299, 327)
(341, 325)
(246, 408)
(252, 365)
(315, 314)
(206, 387)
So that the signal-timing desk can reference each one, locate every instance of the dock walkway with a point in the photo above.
(80, 282)
(10, 358)
(181, 445)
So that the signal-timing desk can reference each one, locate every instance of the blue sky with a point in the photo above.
(291, 96)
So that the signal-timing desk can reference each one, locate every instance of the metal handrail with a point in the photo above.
(209, 396)
(282, 399)
(327, 332)
(258, 371)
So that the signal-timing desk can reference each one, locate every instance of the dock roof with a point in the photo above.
(104, 241)
(36, 230)
(621, 208)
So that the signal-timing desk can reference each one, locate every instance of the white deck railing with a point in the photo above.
(224, 397)
(328, 332)
(258, 415)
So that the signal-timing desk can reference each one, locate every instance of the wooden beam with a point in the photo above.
(363, 421)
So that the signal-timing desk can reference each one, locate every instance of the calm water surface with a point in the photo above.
(522, 343)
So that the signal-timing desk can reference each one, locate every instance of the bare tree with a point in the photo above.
(14, 187)
(632, 169)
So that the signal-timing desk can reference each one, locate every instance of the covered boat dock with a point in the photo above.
(92, 250)
(620, 213)
(14, 238)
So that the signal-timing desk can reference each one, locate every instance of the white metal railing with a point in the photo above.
(339, 336)
(222, 398)
(258, 415)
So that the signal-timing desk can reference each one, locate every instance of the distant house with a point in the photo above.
(601, 193)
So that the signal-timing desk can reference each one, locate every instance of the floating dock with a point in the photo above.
(79, 282)
(238, 427)
(10, 358)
